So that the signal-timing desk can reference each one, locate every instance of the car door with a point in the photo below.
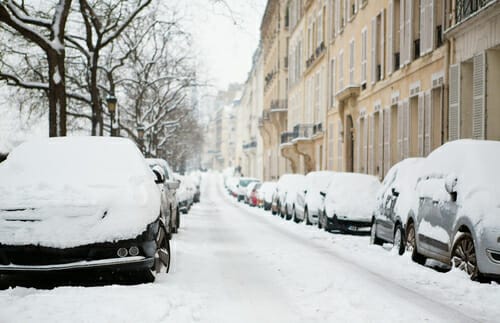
(387, 217)
(434, 216)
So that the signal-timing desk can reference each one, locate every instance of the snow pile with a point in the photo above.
(296, 185)
(75, 191)
(352, 196)
(266, 191)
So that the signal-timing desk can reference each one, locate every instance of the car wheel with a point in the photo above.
(464, 256)
(320, 218)
(399, 243)
(295, 219)
(306, 217)
(325, 222)
(161, 258)
(373, 235)
(411, 245)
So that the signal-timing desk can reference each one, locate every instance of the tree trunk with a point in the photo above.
(57, 94)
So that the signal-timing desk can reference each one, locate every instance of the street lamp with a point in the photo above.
(140, 136)
(111, 100)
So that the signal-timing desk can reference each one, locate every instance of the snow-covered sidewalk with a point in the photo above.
(233, 263)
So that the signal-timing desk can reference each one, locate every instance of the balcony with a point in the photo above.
(279, 105)
(287, 137)
(303, 131)
(316, 54)
(250, 145)
(467, 8)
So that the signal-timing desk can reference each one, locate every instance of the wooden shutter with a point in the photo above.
(337, 16)
(421, 126)
(406, 129)
(402, 23)
(371, 153)
(428, 123)
(359, 144)
(331, 145)
(373, 50)
(340, 163)
(431, 24)
(423, 26)
(382, 44)
(478, 96)
(409, 31)
(387, 140)
(380, 154)
(364, 45)
(341, 70)
(400, 130)
(454, 103)
(390, 35)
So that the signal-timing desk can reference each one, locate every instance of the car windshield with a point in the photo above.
(246, 182)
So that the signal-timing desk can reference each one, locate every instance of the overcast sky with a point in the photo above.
(225, 39)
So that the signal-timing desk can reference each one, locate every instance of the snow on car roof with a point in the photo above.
(318, 181)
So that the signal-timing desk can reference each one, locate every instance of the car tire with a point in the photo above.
(294, 215)
(411, 245)
(320, 218)
(464, 256)
(373, 235)
(399, 243)
(306, 217)
(162, 257)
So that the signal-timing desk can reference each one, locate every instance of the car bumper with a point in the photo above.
(348, 225)
(127, 263)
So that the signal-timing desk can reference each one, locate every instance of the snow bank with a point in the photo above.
(75, 191)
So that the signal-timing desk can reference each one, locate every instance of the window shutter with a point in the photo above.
(340, 165)
(382, 44)
(400, 130)
(379, 163)
(390, 44)
(371, 153)
(331, 145)
(387, 140)
(454, 103)
(402, 23)
(478, 96)
(364, 44)
(346, 11)
(351, 62)
(365, 144)
(431, 24)
(373, 48)
(337, 16)
(358, 146)
(428, 123)
(406, 137)
(341, 70)
(409, 30)
(421, 129)
(423, 26)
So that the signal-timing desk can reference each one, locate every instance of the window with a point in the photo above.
(316, 98)
(340, 147)
(377, 47)
(331, 146)
(332, 82)
(418, 17)
(332, 20)
(393, 35)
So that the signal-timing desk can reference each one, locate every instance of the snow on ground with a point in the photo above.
(233, 263)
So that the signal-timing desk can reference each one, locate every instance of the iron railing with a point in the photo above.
(466, 8)
(286, 137)
(303, 131)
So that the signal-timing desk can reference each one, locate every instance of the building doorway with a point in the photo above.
(349, 140)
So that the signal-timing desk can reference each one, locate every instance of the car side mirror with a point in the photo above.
(450, 185)
(160, 177)
(394, 192)
(305, 191)
(173, 185)
(322, 194)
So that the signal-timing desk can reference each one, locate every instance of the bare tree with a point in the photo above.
(47, 33)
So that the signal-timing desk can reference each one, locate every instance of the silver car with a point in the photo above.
(458, 220)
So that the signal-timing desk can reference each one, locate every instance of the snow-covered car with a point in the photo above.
(241, 188)
(458, 220)
(196, 177)
(349, 202)
(265, 194)
(168, 189)
(309, 201)
(285, 182)
(232, 186)
(81, 203)
(185, 193)
(293, 190)
(253, 189)
(394, 201)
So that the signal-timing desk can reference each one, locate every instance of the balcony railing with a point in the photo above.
(303, 131)
(466, 8)
(286, 137)
(279, 105)
(317, 53)
(317, 128)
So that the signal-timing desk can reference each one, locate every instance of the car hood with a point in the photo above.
(63, 217)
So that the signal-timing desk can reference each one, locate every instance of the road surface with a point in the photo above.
(234, 263)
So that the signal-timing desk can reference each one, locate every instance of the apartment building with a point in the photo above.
(249, 141)
(303, 142)
(274, 38)
(474, 71)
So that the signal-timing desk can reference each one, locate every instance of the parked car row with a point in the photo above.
(445, 207)
(87, 203)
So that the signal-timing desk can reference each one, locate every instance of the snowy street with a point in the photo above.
(234, 263)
